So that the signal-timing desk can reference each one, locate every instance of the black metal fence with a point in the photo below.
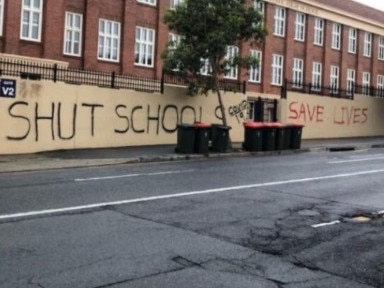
(56, 73)
(309, 88)
(176, 78)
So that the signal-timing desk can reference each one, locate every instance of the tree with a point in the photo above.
(206, 29)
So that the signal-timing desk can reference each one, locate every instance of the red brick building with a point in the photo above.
(327, 43)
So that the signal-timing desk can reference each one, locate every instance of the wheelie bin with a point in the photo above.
(186, 135)
(220, 138)
(253, 136)
(296, 133)
(202, 137)
(280, 135)
(269, 137)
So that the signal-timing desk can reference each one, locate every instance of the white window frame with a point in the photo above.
(334, 79)
(206, 68)
(367, 44)
(145, 46)
(317, 70)
(300, 20)
(232, 52)
(297, 73)
(174, 39)
(31, 20)
(351, 79)
(381, 48)
(366, 82)
(259, 6)
(149, 2)
(352, 41)
(277, 70)
(255, 72)
(73, 28)
(173, 3)
(336, 36)
(380, 86)
(109, 40)
(318, 32)
(279, 29)
(1, 17)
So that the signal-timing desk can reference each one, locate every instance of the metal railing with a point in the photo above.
(56, 73)
(332, 91)
(176, 78)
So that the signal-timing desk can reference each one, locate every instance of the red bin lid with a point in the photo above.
(251, 124)
(203, 125)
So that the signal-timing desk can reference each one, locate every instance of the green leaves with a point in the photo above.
(208, 28)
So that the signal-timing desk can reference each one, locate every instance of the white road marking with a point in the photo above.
(325, 224)
(179, 195)
(132, 175)
(356, 160)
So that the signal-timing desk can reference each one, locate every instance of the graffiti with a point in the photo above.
(305, 112)
(31, 119)
(350, 115)
(341, 115)
(165, 118)
(239, 111)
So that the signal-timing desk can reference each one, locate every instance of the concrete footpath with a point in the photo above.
(142, 154)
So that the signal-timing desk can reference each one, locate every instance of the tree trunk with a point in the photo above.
(223, 114)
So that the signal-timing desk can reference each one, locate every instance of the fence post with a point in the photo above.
(55, 72)
(284, 88)
(275, 103)
(162, 81)
(113, 77)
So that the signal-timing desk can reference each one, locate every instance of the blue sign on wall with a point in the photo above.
(8, 88)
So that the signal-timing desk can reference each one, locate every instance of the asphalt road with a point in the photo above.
(300, 220)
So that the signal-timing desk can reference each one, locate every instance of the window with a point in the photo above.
(381, 48)
(336, 36)
(109, 40)
(144, 46)
(72, 35)
(259, 6)
(380, 86)
(366, 83)
(316, 76)
(277, 70)
(174, 40)
(31, 15)
(206, 68)
(173, 3)
(319, 31)
(297, 79)
(150, 2)
(279, 21)
(232, 52)
(255, 72)
(367, 44)
(300, 27)
(352, 43)
(334, 81)
(351, 81)
(1, 16)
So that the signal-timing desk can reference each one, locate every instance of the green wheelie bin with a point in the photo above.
(220, 138)
(203, 131)
(253, 136)
(269, 137)
(186, 135)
